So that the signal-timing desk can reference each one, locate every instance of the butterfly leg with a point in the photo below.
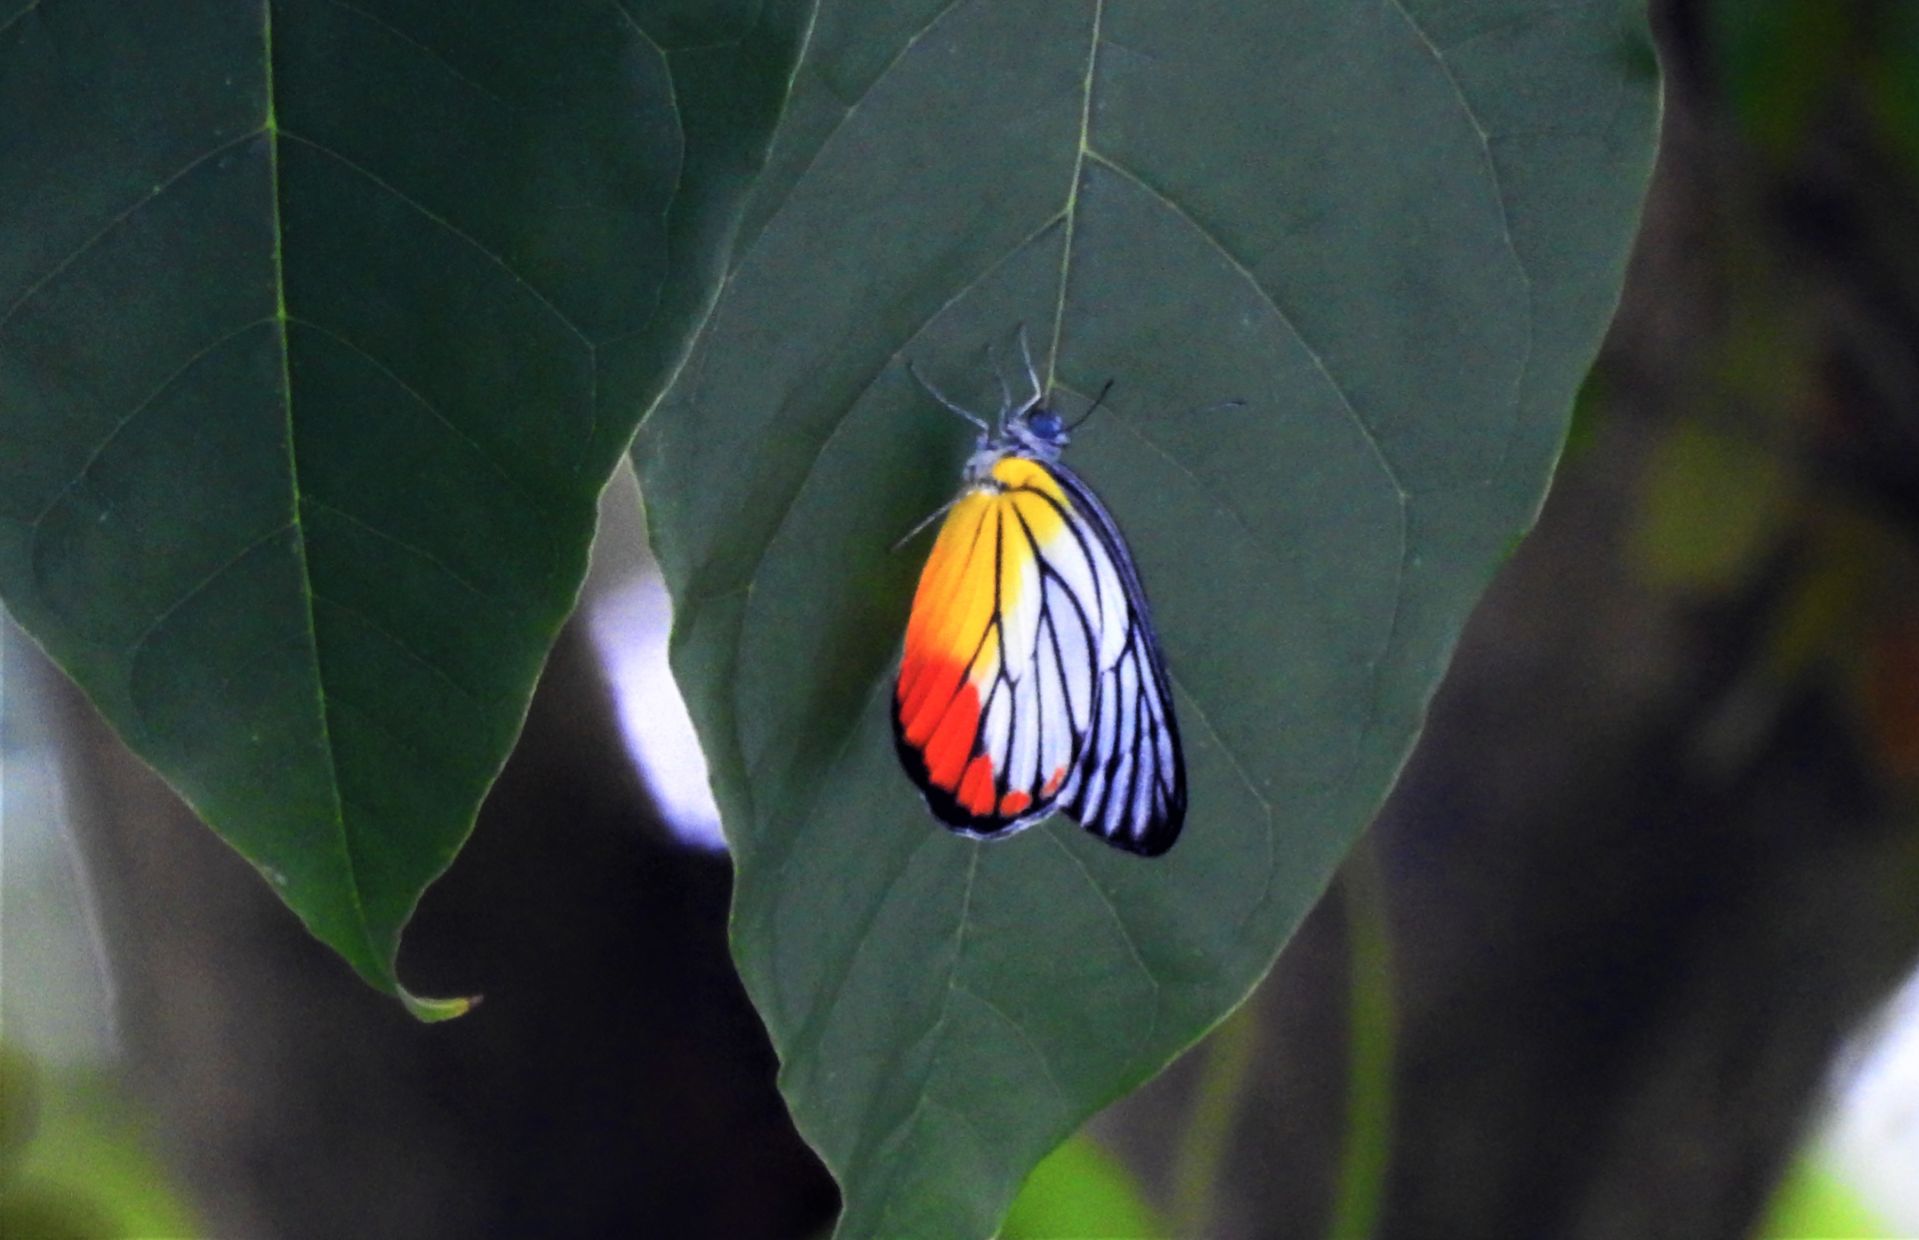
(925, 521)
(943, 399)
(1032, 371)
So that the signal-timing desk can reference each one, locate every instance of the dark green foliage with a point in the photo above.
(321, 327)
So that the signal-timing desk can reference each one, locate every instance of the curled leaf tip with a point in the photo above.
(432, 1011)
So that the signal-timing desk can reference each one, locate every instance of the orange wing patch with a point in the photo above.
(951, 652)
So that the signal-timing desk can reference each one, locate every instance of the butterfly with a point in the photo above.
(1031, 679)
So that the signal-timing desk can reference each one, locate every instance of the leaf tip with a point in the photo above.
(432, 1011)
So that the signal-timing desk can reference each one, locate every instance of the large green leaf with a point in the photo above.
(1394, 229)
(322, 324)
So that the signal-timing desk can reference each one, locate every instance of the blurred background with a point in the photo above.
(1630, 952)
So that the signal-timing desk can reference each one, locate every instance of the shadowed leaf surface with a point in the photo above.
(321, 326)
(1394, 230)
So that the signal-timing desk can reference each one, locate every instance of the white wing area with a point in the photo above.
(1128, 783)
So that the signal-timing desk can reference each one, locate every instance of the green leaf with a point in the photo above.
(1812, 1200)
(1396, 231)
(76, 1158)
(1715, 504)
(1777, 62)
(322, 323)
(1081, 1190)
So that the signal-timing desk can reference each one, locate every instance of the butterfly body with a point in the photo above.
(1031, 679)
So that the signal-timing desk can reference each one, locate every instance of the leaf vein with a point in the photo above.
(126, 419)
(1252, 789)
(413, 549)
(619, 6)
(486, 456)
(111, 225)
(839, 422)
(1210, 490)
(1505, 221)
(372, 719)
(405, 647)
(1026, 1039)
(427, 213)
(1126, 936)
(145, 635)
(433, 53)
(1319, 362)
(808, 1038)
(19, 17)
(936, 1033)
(846, 115)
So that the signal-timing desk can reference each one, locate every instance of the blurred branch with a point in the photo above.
(1367, 1148)
(1209, 1129)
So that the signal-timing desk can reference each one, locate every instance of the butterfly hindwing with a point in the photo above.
(1129, 784)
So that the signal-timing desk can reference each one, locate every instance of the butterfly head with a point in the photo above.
(1038, 430)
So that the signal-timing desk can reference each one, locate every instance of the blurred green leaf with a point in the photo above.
(1589, 407)
(19, 1105)
(1892, 79)
(321, 326)
(1395, 231)
(1713, 505)
(76, 1160)
(1080, 1190)
(1812, 1202)
(1779, 62)
(1826, 612)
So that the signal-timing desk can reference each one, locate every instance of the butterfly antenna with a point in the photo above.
(942, 398)
(1032, 372)
(1097, 402)
(925, 521)
(1005, 389)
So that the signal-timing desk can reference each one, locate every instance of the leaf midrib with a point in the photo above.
(270, 126)
(1071, 210)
